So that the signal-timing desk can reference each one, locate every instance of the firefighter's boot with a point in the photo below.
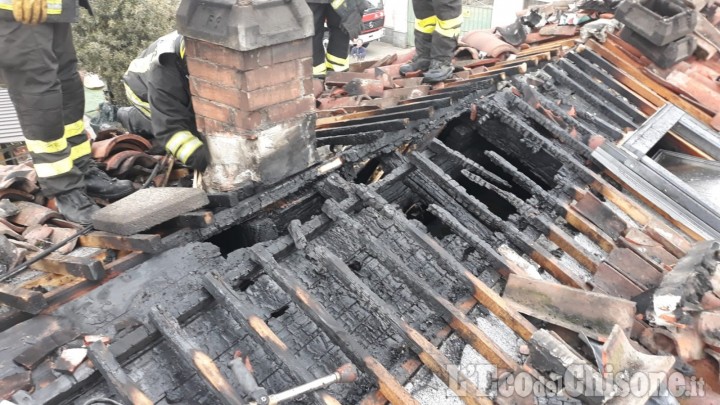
(414, 65)
(421, 61)
(76, 206)
(100, 185)
(438, 72)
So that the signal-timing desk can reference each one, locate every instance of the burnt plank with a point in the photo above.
(106, 240)
(454, 317)
(33, 355)
(350, 139)
(426, 351)
(391, 125)
(120, 383)
(610, 281)
(13, 383)
(389, 386)
(86, 267)
(31, 302)
(192, 220)
(245, 314)
(194, 358)
(484, 294)
(413, 114)
(635, 268)
(600, 215)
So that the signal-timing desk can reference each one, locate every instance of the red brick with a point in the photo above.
(248, 121)
(273, 95)
(214, 73)
(285, 111)
(222, 56)
(270, 75)
(306, 67)
(213, 110)
(308, 87)
(210, 126)
(210, 91)
(298, 49)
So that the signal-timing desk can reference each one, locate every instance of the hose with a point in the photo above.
(103, 401)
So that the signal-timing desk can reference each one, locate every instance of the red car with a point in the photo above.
(373, 22)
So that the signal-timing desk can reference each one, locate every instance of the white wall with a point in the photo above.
(504, 12)
(396, 14)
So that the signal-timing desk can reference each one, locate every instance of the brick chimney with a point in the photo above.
(250, 64)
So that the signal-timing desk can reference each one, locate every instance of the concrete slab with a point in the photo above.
(146, 208)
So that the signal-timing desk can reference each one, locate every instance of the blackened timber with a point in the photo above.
(33, 355)
(609, 81)
(484, 294)
(245, 314)
(499, 264)
(28, 301)
(600, 214)
(620, 118)
(426, 351)
(558, 133)
(105, 240)
(541, 222)
(435, 104)
(120, 383)
(598, 89)
(192, 220)
(350, 139)
(438, 146)
(465, 328)
(389, 386)
(194, 358)
(388, 125)
(482, 212)
(88, 268)
(417, 114)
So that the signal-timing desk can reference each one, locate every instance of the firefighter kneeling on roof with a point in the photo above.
(437, 28)
(344, 22)
(156, 83)
(39, 67)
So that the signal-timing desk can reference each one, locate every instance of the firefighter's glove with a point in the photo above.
(30, 11)
(189, 150)
(350, 12)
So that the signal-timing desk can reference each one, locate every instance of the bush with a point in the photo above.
(120, 29)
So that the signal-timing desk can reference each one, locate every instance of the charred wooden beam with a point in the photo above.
(599, 214)
(388, 125)
(542, 223)
(194, 358)
(572, 217)
(414, 114)
(484, 294)
(14, 383)
(426, 351)
(31, 302)
(119, 382)
(245, 314)
(36, 353)
(105, 240)
(192, 220)
(482, 212)
(437, 146)
(455, 318)
(351, 139)
(389, 386)
(86, 267)
(619, 117)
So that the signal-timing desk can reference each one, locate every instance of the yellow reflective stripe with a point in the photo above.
(81, 150)
(182, 48)
(76, 128)
(54, 169)
(336, 64)
(426, 25)
(55, 146)
(337, 3)
(54, 7)
(58, 145)
(178, 140)
(449, 28)
(320, 69)
(188, 149)
(143, 106)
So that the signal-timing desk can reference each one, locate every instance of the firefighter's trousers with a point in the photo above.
(437, 27)
(39, 67)
(336, 57)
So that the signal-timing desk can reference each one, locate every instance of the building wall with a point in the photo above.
(396, 18)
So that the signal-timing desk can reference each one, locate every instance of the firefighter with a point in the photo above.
(157, 85)
(437, 27)
(344, 22)
(39, 67)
